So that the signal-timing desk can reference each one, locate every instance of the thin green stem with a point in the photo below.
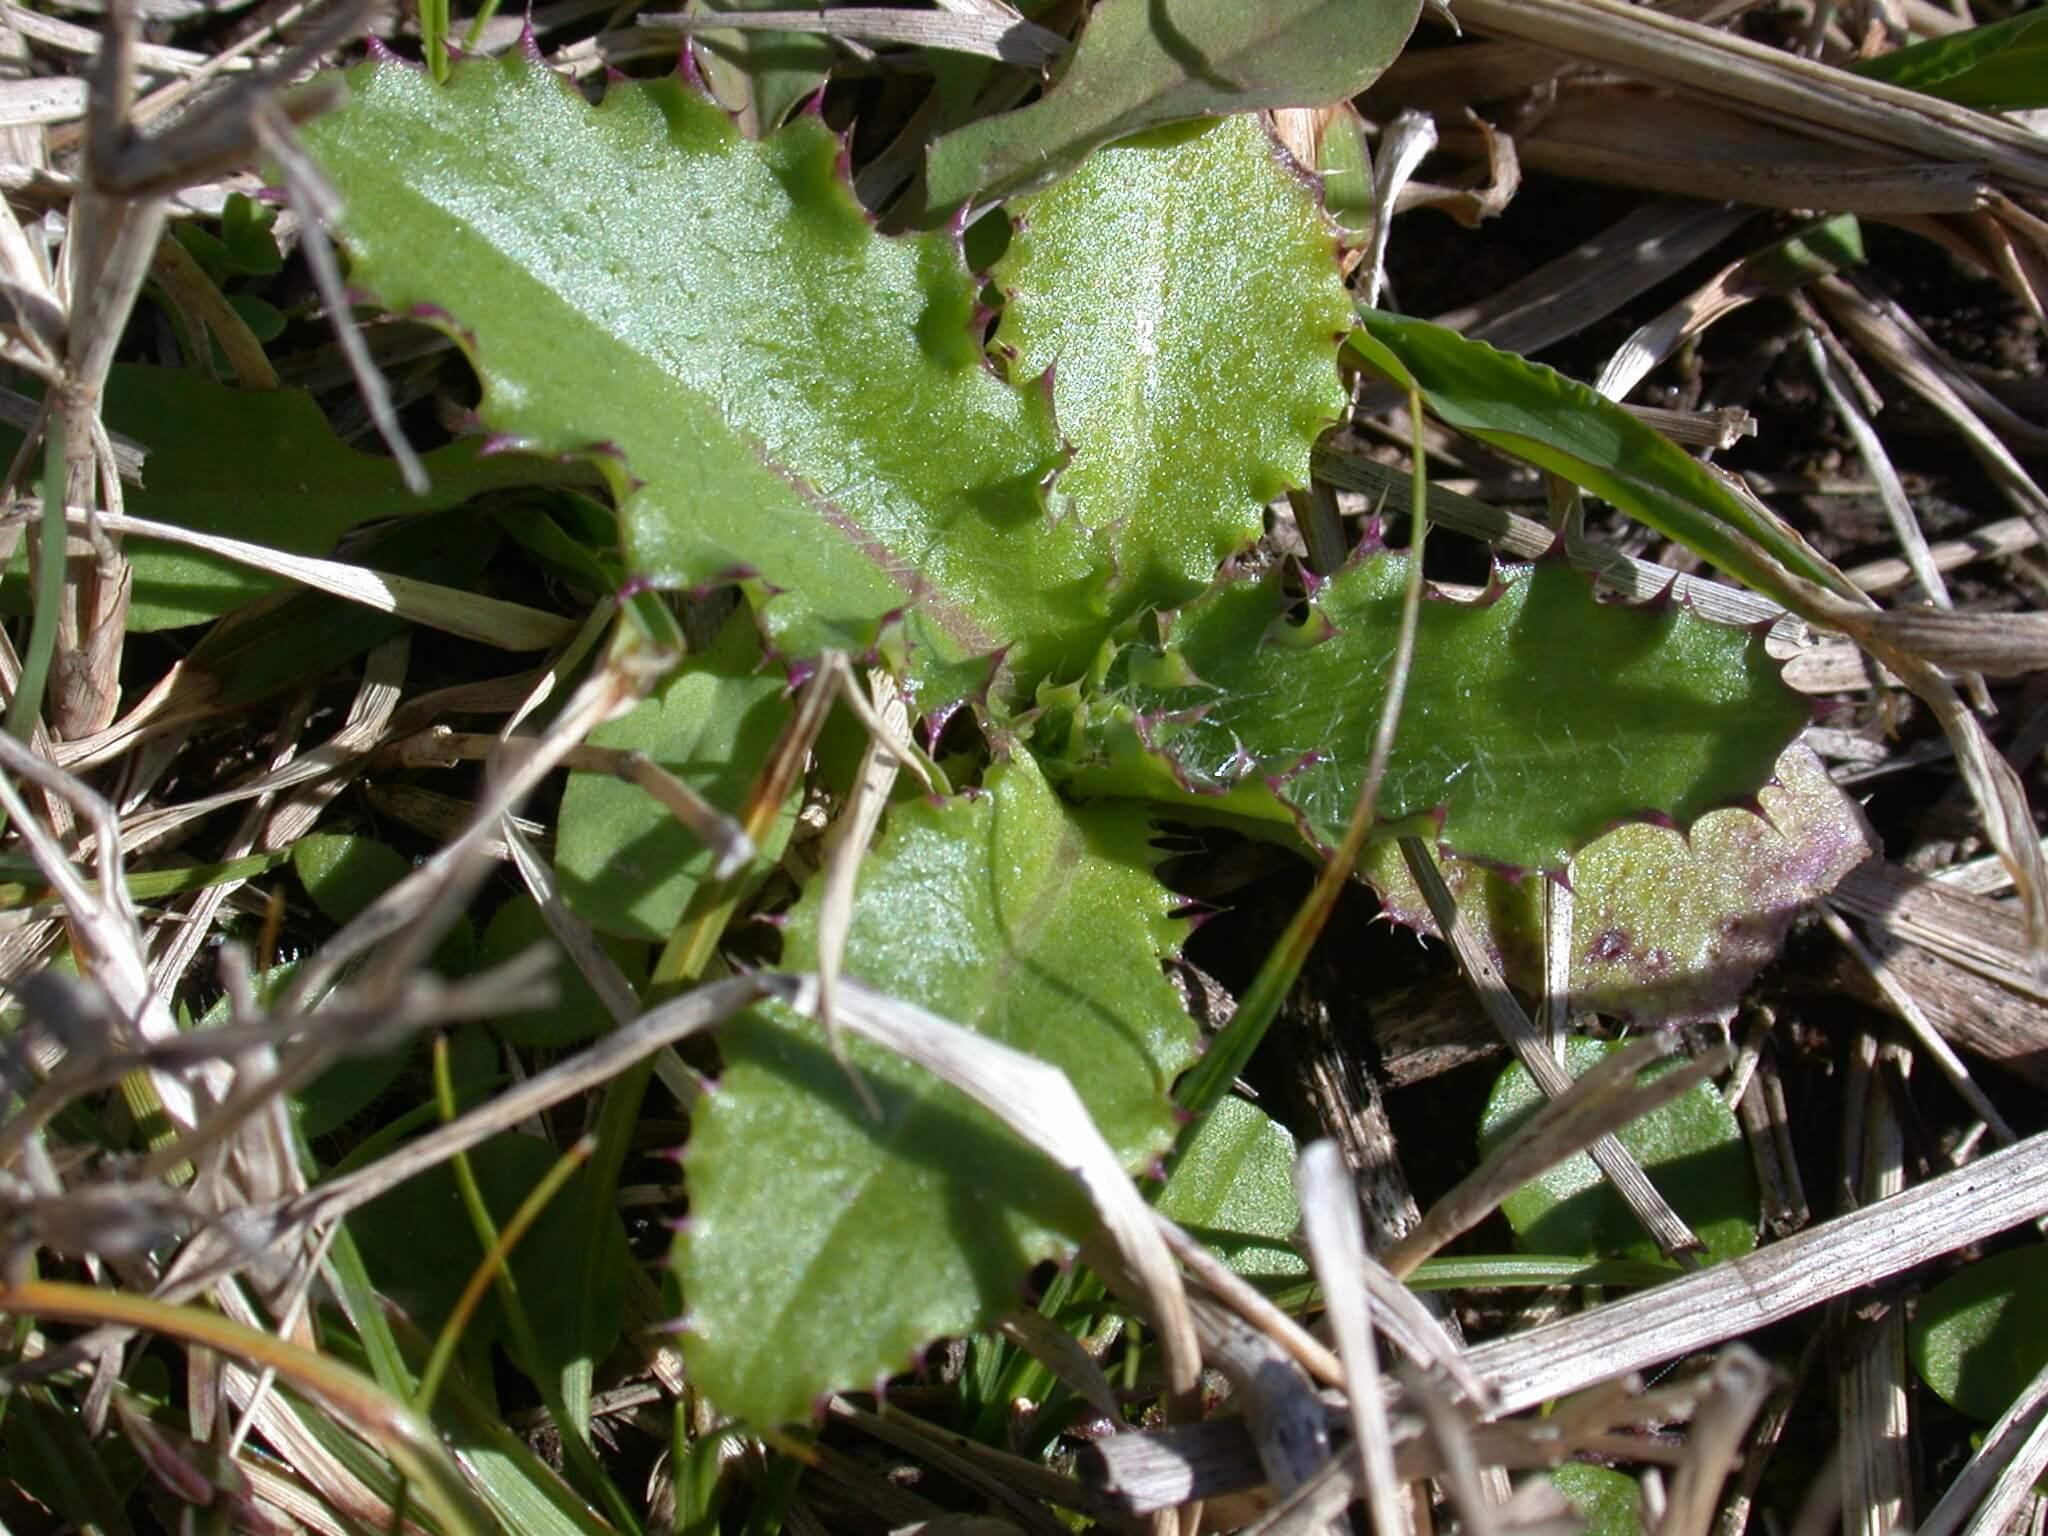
(1227, 1057)
(486, 1272)
(434, 33)
(574, 1446)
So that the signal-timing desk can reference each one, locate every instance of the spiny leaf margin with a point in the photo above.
(776, 392)
(1182, 291)
(1536, 716)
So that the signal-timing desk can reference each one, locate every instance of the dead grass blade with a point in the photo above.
(2000, 1477)
(490, 620)
(104, 927)
(663, 1025)
(1629, 135)
(1007, 39)
(1908, 1008)
(1061, 1353)
(1999, 1190)
(1622, 1170)
(1875, 328)
(1767, 82)
(1838, 381)
(394, 1428)
(1981, 935)
(342, 753)
(1526, 538)
(1737, 1385)
(1993, 541)
(1874, 1409)
(1407, 141)
(318, 205)
(848, 840)
(1336, 1245)
(1021, 1487)
(1250, 1303)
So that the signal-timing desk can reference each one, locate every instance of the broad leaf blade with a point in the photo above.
(627, 866)
(1692, 1148)
(824, 1247)
(774, 390)
(1536, 717)
(1668, 928)
(1609, 1502)
(1144, 63)
(1183, 292)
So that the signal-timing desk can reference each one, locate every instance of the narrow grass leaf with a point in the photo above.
(397, 1430)
(1999, 67)
(1535, 413)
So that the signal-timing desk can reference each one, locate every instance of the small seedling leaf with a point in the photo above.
(576, 1014)
(1233, 1187)
(1692, 1149)
(1610, 1502)
(1981, 1336)
(627, 866)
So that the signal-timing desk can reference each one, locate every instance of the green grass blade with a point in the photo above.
(1537, 414)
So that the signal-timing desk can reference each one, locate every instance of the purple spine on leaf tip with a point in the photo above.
(380, 52)
(686, 65)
